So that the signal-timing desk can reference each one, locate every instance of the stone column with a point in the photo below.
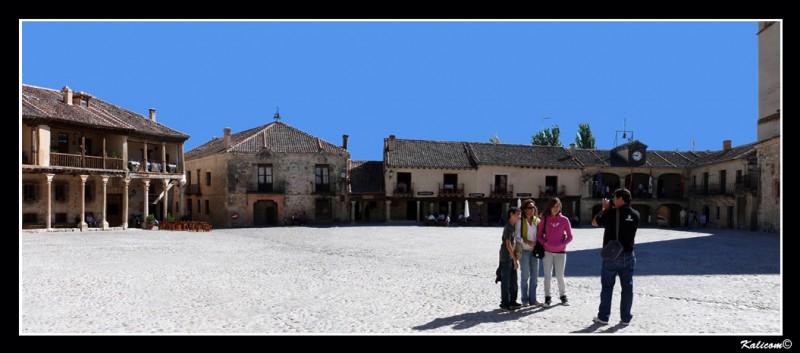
(125, 156)
(352, 212)
(105, 182)
(388, 209)
(83, 224)
(49, 199)
(127, 182)
(418, 210)
(182, 201)
(144, 162)
(166, 203)
(183, 164)
(34, 146)
(146, 199)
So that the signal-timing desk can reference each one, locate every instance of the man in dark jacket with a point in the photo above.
(623, 265)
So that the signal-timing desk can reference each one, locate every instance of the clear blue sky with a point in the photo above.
(454, 81)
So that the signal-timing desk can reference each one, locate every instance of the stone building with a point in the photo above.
(367, 194)
(267, 175)
(89, 163)
(768, 148)
(425, 177)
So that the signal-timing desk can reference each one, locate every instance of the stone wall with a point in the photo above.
(769, 160)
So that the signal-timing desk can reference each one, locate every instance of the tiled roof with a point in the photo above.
(655, 159)
(274, 137)
(738, 152)
(366, 176)
(522, 155)
(429, 154)
(46, 105)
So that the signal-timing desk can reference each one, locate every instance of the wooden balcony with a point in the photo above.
(78, 161)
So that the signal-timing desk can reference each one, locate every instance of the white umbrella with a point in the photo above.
(519, 203)
(466, 209)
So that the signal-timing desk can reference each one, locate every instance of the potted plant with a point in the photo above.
(134, 166)
(172, 168)
(149, 221)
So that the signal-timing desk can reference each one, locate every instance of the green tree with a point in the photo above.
(495, 139)
(547, 137)
(583, 138)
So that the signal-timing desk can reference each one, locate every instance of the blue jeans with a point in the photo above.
(529, 265)
(508, 283)
(623, 266)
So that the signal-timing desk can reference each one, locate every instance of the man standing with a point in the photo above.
(624, 263)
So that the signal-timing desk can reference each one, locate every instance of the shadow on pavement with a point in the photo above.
(468, 320)
(730, 253)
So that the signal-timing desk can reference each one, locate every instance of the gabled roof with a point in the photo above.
(429, 154)
(522, 155)
(45, 105)
(366, 176)
(739, 152)
(274, 137)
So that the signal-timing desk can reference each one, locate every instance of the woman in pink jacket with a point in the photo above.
(554, 233)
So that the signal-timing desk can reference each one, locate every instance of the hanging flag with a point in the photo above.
(650, 184)
(630, 181)
(600, 184)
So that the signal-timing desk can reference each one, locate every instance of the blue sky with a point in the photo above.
(454, 81)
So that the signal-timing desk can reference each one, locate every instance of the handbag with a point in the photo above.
(612, 250)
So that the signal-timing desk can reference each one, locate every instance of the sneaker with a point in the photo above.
(525, 304)
(564, 300)
(625, 323)
(536, 303)
(547, 301)
(505, 307)
(598, 321)
(515, 305)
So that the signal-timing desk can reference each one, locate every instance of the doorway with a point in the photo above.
(114, 210)
(264, 213)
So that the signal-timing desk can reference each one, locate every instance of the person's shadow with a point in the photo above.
(468, 320)
(594, 326)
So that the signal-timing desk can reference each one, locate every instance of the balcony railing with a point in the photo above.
(324, 188)
(193, 189)
(451, 190)
(404, 190)
(266, 188)
(501, 190)
(727, 189)
(748, 182)
(78, 161)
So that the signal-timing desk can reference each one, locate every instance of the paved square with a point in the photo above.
(381, 279)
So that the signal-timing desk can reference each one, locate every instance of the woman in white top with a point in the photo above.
(528, 264)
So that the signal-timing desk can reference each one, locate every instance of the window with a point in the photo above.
(189, 206)
(61, 192)
(322, 178)
(404, 182)
(198, 206)
(500, 183)
(705, 183)
(208, 178)
(63, 142)
(723, 179)
(322, 208)
(84, 102)
(198, 177)
(89, 192)
(30, 192)
(739, 176)
(188, 177)
(265, 177)
(207, 207)
(88, 146)
(551, 184)
(450, 182)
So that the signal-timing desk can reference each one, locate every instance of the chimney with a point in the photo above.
(153, 114)
(390, 145)
(344, 141)
(726, 145)
(67, 95)
(226, 140)
(571, 148)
